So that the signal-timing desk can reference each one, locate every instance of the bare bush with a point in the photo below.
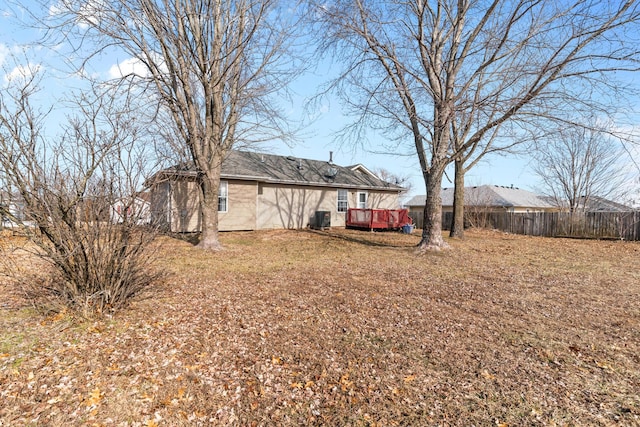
(477, 209)
(74, 197)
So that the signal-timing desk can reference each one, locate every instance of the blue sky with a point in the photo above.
(314, 142)
(321, 139)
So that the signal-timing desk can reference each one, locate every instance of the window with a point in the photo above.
(223, 195)
(343, 200)
(362, 200)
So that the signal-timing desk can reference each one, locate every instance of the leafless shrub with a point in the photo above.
(477, 209)
(74, 198)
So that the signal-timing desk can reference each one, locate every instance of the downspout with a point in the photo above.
(169, 207)
(257, 206)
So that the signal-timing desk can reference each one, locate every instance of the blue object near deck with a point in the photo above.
(407, 228)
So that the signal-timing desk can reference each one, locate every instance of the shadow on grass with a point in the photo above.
(192, 238)
(363, 237)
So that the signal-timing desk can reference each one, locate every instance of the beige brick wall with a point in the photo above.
(185, 211)
(241, 207)
(294, 207)
(253, 205)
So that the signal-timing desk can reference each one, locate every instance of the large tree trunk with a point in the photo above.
(432, 229)
(209, 186)
(457, 220)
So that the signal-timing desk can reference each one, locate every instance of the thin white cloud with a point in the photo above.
(128, 67)
(88, 13)
(22, 73)
(54, 9)
(7, 52)
(4, 52)
(134, 66)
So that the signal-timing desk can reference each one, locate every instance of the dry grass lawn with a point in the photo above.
(344, 328)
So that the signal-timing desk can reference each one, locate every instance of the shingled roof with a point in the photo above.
(489, 195)
(600, 204)
(269, 168)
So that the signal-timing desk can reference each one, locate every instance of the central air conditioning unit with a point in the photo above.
(321, 220)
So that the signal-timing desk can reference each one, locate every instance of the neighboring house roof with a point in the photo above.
(419, 200)
(490, 196)
(599, 204)
(269, 168)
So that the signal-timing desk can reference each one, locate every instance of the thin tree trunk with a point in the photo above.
(432, 229)
(457, 220)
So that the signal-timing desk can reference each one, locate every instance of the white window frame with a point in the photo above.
(343, 203)
(223, 196)
(363, 205)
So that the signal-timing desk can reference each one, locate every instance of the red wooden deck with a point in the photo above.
(377, 219)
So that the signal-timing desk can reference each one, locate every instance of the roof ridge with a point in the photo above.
(276, 168)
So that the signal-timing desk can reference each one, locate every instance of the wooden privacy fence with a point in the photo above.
(597, 225)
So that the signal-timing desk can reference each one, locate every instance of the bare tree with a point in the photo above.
(447, 74)
(65, 187)
(577, 164)
(395, 179)
(213, 65)
(467, 158)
